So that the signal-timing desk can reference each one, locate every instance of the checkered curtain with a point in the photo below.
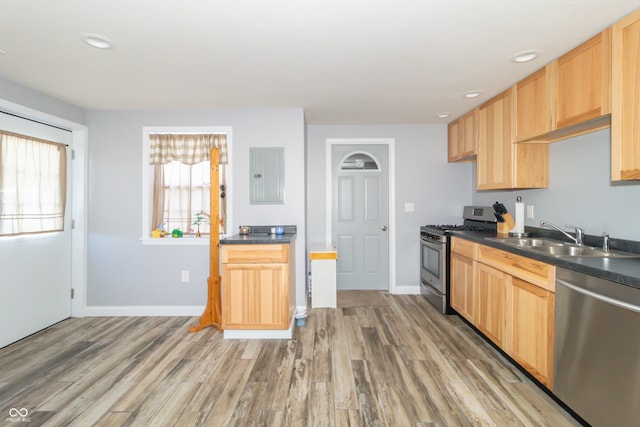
(189, 148)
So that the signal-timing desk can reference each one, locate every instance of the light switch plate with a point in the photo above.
(529, 211)
(409, 207)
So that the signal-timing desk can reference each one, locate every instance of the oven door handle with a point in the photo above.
(433, 245)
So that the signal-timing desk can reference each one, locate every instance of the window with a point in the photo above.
(33, 184)
(359, 161)
(177, 185)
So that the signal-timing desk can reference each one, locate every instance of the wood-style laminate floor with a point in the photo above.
(402, 364)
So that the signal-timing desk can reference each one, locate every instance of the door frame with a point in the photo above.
(390, 143)
(79, 202)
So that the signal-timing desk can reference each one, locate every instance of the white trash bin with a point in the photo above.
(323, 277)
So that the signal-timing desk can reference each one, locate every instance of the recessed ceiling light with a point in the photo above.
(472, 94)
(443, 115)
(525, 56)
(97, 41)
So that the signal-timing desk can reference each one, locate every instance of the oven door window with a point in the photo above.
(431, 260)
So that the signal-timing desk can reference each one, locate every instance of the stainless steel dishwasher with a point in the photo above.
(597, 349)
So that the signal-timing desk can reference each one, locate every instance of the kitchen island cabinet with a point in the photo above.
(625, 116)
(257, 286)
(501, 163)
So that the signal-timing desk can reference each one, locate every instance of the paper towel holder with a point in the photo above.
(517, 233)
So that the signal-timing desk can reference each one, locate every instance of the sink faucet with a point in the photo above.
(579, 232)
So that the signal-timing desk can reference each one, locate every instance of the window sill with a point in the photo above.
(182, 241)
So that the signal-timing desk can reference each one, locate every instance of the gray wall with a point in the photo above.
(122, 271)
(26, 97)
(580, 190)
(423, 176)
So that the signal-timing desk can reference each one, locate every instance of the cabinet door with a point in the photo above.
(530, 329)
(255, 296)
(533, 105)
(490, 302)
(454, 140)
(625, 117)
(463, 136)
(503, 164)
(495, 143)
(469, 139)
(462, 285)
(584, 82)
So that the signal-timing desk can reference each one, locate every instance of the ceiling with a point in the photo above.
(343, 61)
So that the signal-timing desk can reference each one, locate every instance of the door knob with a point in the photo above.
(383, 228)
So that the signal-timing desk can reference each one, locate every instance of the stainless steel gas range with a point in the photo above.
(434, 253)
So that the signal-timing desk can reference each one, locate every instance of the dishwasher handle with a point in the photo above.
(599, 297)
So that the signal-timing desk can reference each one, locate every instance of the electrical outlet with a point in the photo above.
(530, 212)
(185, 276)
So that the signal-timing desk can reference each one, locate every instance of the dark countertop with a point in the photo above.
(258, 239)
(621, 270)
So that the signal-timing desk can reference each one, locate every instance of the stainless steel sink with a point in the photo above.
(560, 249)
(527, 241)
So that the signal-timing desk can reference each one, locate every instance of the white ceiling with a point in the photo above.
(343, 61)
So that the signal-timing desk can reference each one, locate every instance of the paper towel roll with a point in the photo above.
(519, 216)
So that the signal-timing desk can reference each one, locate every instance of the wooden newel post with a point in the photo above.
(212, 315)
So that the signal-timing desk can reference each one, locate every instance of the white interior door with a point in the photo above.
(360, 215)
(36, 270)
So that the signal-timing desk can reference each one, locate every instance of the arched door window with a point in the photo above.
(359, 161)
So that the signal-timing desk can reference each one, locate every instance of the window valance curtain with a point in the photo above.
(189, 148)
(33, 184)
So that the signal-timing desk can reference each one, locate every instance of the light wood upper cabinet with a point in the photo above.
(534, 100)
(256, 286)
(529, 338)
(583, 84)
(625, 120)
(463, 137)
(454, 140)
(501, 163)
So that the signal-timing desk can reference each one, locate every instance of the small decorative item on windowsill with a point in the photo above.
(201, 217)
(176, 233)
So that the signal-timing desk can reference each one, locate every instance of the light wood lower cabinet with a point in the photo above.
(462, 298)
(529, 340)
(256, 286)
(491, 286)
(510, 299)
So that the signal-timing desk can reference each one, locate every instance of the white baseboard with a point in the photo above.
(142, 311)
(272, 334)
(406, 290)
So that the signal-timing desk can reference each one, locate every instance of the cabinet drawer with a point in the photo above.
(530, 270)
(463, 247)
(255, 253)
